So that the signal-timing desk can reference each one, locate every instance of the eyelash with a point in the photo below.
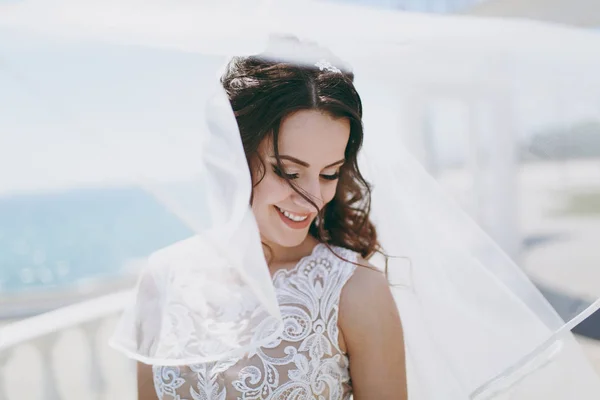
(331, 177)
(281, 174)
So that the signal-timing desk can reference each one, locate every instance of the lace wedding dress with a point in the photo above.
(304, 363)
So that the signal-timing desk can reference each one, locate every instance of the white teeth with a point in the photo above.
(293, 217)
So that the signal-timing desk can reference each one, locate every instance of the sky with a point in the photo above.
(78, 108)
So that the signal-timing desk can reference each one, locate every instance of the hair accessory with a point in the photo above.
(325, 65)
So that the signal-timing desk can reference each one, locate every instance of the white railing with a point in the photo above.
(64, 354)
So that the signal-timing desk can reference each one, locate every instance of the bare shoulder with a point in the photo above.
(366, 276)
(366, 299)
(371, 331)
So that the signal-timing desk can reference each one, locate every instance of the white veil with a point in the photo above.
(475, 326)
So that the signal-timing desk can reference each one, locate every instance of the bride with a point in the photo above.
(301, 129)
(309, 314)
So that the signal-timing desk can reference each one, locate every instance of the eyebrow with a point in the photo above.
(305, 164)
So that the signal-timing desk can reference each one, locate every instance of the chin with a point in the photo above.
(287, 239)
(291, 240)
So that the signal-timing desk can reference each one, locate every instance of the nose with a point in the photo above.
(311, 188)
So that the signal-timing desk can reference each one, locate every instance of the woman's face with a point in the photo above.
(311, 148)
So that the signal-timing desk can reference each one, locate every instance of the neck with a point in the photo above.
(277, 255)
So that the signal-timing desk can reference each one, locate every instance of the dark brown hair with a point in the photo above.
(262, 92)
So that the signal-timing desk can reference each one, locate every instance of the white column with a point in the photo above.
(411, 128)
(4, 356)
(97, 381)
(493, 163)
(45, 345)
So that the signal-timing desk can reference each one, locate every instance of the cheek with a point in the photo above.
(271, 190)
(328, 192)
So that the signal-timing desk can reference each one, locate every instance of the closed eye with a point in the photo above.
(331, 177)
(282, 174)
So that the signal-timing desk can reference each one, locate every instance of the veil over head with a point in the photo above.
(121, 105)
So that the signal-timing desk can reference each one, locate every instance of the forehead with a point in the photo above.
(314, 137)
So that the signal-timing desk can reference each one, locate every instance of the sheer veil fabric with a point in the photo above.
(475, 326)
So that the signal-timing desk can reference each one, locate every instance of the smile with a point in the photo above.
(293, 220)
(292, 216)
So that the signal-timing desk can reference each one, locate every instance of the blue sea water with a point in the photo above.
(59, 239)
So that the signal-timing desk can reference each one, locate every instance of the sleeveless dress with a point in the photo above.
(304, 363)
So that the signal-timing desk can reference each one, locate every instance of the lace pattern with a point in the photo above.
(192, 305)
(304, 363)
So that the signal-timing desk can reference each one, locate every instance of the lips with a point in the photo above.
(293, 216)
(294, 220)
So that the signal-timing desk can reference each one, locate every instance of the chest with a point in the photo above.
(305, 359)
(304, 362)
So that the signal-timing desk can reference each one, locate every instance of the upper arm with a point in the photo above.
(371, 328)
(145, 382)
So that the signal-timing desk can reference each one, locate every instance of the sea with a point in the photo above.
(56, 240)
